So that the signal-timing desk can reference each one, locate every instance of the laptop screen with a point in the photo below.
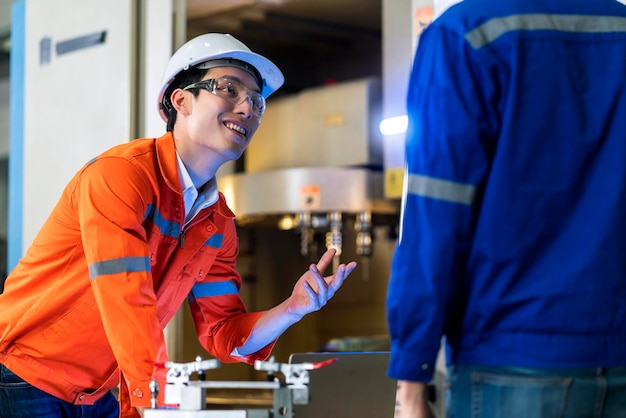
(356, 385)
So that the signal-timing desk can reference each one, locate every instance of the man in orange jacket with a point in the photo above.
(138, 230)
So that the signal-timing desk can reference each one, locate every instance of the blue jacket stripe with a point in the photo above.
(148, 211)
(119, 265)
(167, 227)
(203, 290)
(215, 241)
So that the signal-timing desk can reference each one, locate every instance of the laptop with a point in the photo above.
(355, 385)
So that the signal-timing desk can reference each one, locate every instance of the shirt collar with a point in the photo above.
(183, 174)
(208, 193)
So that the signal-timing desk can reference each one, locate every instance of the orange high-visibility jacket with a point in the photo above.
(109, 269)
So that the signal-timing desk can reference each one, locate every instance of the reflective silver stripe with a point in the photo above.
(119, 265)
(496, 27)
(441, 189)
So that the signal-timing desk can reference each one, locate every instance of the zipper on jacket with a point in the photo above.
(185, 226)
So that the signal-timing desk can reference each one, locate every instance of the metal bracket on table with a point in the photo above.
(190, 396)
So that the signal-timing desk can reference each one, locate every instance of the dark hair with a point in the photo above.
(182, 80)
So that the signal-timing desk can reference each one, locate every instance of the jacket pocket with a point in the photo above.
(72, 321)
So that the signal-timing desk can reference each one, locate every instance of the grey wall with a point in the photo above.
(5, 14)
(4, 117)
(5, 28)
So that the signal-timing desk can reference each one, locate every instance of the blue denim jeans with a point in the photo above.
(511, 392)
(19, 399)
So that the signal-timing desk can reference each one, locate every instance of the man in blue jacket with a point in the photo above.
(513, 232)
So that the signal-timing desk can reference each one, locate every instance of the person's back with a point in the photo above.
(550, 238)
(516, 196)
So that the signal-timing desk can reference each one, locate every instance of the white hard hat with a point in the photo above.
(214, 46)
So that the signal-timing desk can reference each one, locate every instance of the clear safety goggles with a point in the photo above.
(232, 91)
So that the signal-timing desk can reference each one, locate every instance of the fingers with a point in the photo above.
(327, 286)
(322, 285)
(336, 282)
(321, 289)
(342, 272)
(326, 259)
(309, 290)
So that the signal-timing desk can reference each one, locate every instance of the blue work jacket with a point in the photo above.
(513, 229)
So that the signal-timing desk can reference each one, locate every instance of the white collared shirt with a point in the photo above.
(195, 200)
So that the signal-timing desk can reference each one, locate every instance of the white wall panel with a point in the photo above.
(76, 103)
(157, 39)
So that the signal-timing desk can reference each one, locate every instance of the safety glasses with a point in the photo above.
(232, 91)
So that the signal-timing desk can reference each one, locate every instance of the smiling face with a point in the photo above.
(210, 126)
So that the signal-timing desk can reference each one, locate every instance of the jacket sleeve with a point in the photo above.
(450, 135)
(111, 199)
(220, 317)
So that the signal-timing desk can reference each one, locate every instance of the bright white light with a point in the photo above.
(394, 126)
